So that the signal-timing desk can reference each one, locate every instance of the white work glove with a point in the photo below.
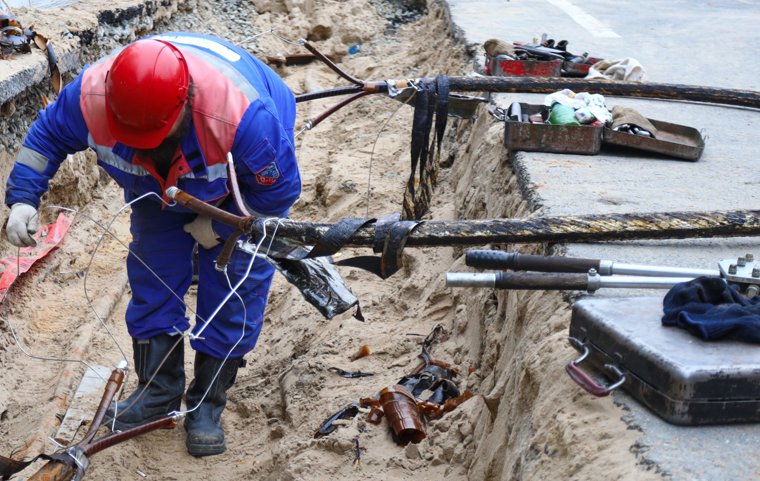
(202, 231)
(22, 224)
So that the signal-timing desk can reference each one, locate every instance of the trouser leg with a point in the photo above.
(231, 328)
(226, 330)
(159, 267)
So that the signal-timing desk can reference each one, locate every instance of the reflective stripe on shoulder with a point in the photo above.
(32, 158)
(234, 75)
(207, 43)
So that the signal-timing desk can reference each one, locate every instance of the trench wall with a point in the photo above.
(486, 188)
(530, 421)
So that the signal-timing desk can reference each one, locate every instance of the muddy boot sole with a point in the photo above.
(200, 450)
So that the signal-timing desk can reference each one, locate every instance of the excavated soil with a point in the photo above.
(526, 420)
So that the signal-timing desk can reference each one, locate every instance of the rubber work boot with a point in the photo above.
(164, 393)
(205, 436)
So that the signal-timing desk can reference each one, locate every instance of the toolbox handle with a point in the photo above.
(584, 380)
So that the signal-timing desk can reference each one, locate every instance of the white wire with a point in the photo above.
(44, 358)
(21, 346)
(197, 335)
(372, 154)
(233, 290)
(126, 246)
(107, 231)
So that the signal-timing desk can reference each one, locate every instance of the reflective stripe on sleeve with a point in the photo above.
(32, 158)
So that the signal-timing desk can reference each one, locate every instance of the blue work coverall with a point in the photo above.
(240, 106)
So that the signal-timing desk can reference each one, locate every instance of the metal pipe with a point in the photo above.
(471, 279)
(515, 261)
(557, 281)
(633, 282)
(658, 271)
(112, 387)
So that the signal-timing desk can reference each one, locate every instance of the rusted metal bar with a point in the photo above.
(112, 387)
(169, 422)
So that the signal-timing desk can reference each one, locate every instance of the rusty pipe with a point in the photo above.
(204, 208)
(322, 57)
(98, 445)
(112, 387)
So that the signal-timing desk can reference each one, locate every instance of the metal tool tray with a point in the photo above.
(673, 140)
(681, 378)
(570, 139)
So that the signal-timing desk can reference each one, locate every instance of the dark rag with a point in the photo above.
(711, 309)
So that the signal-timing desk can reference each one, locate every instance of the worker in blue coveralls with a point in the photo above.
(165, 111)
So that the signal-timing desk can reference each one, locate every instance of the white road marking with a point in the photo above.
(591, 24)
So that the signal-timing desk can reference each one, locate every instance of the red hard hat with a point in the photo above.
(146, 89)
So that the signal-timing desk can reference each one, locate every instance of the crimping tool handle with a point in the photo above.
(492, 259)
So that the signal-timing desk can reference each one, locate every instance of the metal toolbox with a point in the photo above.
(681, 378)
(673, 140)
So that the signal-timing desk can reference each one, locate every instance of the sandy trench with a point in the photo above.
(527, 420)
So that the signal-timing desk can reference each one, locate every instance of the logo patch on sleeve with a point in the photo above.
(268, 175)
